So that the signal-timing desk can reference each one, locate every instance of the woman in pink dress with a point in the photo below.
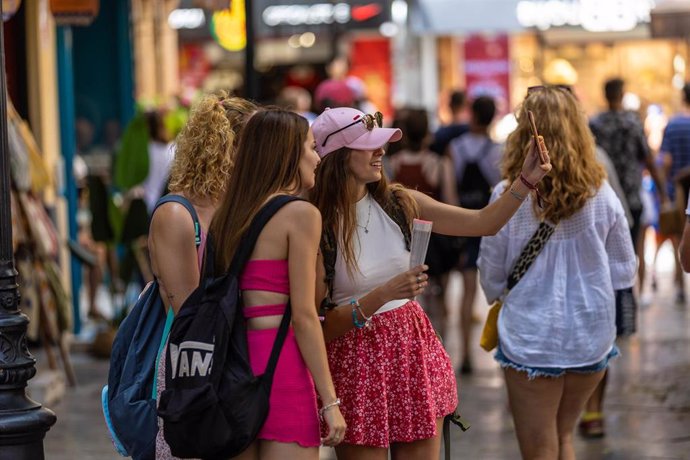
(277, 156)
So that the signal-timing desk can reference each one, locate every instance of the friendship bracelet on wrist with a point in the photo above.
(540, 199)
(356, 307)
(328, 406)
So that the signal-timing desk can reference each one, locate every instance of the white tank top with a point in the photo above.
(379, 247)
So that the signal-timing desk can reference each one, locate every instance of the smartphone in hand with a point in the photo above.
(543, 151)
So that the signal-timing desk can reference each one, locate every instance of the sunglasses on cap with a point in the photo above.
(370, 122)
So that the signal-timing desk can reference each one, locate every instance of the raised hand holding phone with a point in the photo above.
(541, 146)
(537, 162)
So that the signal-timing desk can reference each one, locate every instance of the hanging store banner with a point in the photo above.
(487, 69)
(9, 7)
(370, 62)
(74, 12)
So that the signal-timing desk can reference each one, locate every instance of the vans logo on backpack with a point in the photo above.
(191, 359)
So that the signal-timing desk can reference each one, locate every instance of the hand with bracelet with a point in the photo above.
(330, 413)
(537, 164)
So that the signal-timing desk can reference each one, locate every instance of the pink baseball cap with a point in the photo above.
(347, 127)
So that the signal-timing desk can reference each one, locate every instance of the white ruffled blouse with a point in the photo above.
(562, 312)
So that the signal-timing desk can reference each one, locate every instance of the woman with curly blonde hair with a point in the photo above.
(203, 162)
(557, 324)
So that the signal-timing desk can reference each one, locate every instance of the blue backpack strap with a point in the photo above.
(184, 202)
(166, 332)
(171, 314)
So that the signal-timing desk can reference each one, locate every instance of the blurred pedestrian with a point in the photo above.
(685, 242)
(298, 100)
(557, 326)
(476, 162)
(394, 378)
(621, 134)
(457, 126)
(675, 155)
(204, 159)
(334, 91)
(277, 156)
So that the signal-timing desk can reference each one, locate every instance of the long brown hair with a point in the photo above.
(266, 162)
(576, 174)
(206, 146)
(334, 196)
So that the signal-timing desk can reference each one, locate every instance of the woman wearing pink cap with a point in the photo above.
(394, 378)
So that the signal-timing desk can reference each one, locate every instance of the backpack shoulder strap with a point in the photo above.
(188, 205)
(329, 252)
(396, 212)
(248, 241)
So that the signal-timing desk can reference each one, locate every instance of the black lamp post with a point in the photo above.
(23, 422)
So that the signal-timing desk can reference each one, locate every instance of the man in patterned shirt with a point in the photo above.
(620, 133)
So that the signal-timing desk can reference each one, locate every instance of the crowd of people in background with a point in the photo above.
(607, 189)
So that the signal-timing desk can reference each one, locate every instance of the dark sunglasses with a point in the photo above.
(370, 122)
(536, 88)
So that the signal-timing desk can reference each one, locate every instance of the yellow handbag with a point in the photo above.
(489, 338)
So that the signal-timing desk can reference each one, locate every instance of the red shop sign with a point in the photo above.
(487, 69)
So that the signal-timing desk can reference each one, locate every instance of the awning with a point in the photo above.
(461, 17)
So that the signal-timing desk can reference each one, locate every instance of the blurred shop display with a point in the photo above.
(295, 40)
(9, 7)
(576, 42)
(36, 245)
(74, 12)
(671, 19)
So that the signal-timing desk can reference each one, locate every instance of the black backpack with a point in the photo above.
(213, 405)
(474, 190)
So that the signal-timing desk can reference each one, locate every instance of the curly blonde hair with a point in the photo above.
(576, 174)
(206, 146)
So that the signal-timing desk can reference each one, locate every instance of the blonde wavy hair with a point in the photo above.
(576, 174)
(206, 146)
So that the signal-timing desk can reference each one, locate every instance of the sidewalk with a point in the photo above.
(647, 406)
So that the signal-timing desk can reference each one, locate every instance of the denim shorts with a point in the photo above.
(534, 372)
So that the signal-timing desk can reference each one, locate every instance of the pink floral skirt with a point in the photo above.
(394, 379)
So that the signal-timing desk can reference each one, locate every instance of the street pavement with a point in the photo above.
(647, 405)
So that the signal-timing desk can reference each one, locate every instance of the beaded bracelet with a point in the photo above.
(328, 406)
(356, 307)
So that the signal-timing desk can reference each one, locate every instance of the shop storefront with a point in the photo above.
(295, 41)
(577, 42)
